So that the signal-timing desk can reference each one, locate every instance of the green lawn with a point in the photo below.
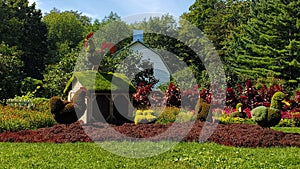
(288, 129)
(183, 155)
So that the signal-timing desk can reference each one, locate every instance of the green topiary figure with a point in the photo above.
(202, 111)
(239, 111)
(268, 117)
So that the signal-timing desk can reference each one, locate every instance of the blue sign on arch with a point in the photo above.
(138, 35)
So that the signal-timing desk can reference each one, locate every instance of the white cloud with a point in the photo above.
(32, 1)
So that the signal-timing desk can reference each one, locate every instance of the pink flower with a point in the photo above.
(286, 115)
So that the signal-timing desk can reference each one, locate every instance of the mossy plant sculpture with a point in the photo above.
(239, 111)
(68, 112)
(202, 110)
(268, 117)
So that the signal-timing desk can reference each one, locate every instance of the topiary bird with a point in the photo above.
(66, 112)
(239, 111)
(268, 117)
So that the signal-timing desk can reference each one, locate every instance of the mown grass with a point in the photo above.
(183, 155)
(288, 129)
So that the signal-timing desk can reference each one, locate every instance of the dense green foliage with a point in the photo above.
(168, 115)
(234, 120)
(10, 71)
(22, 26)
(56, 76)
(164, 116)
(65, 32)
(255, 39)
(15, 119)
(183, 155)
(268, 42)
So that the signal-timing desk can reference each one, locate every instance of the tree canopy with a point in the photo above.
(21, 26)
(254, 39)
(268, 43)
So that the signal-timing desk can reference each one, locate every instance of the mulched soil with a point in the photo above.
(238, 135)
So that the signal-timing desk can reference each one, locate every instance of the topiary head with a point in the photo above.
(56, 104)
(239, 107)
(277, 99)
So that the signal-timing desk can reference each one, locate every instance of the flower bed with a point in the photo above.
(15, 119)
(238, 135)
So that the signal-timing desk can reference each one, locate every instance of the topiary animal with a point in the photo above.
(68, 112)
(202, 110)
(239, 111)
(270, 116)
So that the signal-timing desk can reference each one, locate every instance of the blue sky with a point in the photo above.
(97, 9)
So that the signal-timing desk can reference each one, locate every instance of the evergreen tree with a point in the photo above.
(217, 18)
(268, 43)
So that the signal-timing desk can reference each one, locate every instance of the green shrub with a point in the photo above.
(144, 116)
(29, 101)
(296, 119)
(38, 104)
(174, 114)
(293, 122)
(285, 123)
(168, 115)
(185, 117)
(224, 119)
(15, 119)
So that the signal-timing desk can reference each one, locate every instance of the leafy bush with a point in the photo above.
(233, 120)
(29, 101)
(174, 114)
(285, 123)
(185, 116)
(140, 98)
(144, 116)
(168, 115)
(12, 119)
(289, 119)
(38, 104)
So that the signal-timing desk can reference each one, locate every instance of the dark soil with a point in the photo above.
(238, 135)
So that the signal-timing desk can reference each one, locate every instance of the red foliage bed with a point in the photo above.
(239, 135)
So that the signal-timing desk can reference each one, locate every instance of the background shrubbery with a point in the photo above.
(15, 119)
(164, 116)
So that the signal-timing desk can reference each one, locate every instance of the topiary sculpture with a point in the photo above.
(68, 112)
(268, 117)
(239, 111)
(202, 111)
